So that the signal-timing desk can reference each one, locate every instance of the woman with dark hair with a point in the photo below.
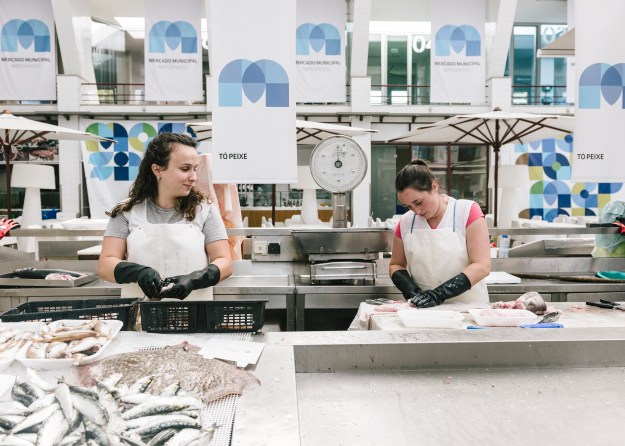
(441, 248)
(166, 239)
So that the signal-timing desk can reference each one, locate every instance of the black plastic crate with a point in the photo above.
(124, 310)
(213, 316)
(233, 316)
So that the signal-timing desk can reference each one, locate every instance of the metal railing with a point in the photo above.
(381, 94)
(125, 94)
(539, 95)
(394, 94)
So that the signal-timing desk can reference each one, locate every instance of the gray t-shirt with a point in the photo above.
(213, 228)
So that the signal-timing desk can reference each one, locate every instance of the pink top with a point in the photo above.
(474, 214)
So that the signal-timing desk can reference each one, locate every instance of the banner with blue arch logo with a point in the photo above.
(320, 51)
(173, 51)
(599, 150)
(27, 51)
(111, 168)
(457, 62)
(252, 86)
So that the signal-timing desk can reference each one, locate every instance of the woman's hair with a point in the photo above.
(146, 186)
(416, 175)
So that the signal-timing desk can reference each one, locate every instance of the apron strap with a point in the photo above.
(453, 227)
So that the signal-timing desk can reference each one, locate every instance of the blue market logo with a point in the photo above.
(458, 38)
(317, 37)
(602, 80)
(121, 161)
(253, 79)
(172, 35)
(26, 33)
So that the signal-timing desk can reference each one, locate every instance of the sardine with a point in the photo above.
(53, 429)
(184, 437)
(29, 388)
(153, 408)
(64, 397)
(35, 418)
(90, 408)
(42, 402)
(115, 422)
(8, 422)
(36, 379)
(21, 397)
(12, 408)
(141, 384)
(14, 440)
(97, 434)
(160, 438)
(72, 439)
(176, 421)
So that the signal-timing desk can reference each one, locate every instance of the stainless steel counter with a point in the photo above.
(433, 387)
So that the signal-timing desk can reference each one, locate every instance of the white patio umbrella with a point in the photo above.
(494, 129)
(308, 132)
(16, 130)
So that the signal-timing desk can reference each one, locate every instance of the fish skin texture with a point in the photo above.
(208, 379)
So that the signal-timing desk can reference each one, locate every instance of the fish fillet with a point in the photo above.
(208, 379)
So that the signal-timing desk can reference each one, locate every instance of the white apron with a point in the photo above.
(171, 249)
(436, 255)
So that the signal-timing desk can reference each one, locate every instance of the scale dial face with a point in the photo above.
(338, 164)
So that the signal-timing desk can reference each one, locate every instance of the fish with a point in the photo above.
(63, 396)
(53, 429)
(12, 408)
(37, 380)
(90, 408)
(162, 437)
(208, 379)
(184, 437)
(35, 273)
(153, 408)
(35, 418)
(174, 421)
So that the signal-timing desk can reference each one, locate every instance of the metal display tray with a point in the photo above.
(8, 280)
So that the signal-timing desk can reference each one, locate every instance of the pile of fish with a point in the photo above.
(56, 340)
(12, 341)
(109, 414)
(209, 379)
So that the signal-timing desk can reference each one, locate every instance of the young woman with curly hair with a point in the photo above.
(166, 239)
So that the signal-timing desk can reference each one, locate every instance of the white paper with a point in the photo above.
(241, 352)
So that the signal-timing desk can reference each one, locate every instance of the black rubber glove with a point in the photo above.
(452, 288)
(183, 285)
(402, 280)
(148, 279)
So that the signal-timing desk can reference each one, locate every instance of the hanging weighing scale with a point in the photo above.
(338, 164)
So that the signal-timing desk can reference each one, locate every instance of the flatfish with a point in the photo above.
(208, 379)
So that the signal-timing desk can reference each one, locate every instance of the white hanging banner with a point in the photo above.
(457, 62)
(253, 66)
(173, 50)
(320, 51)
(599, 137)
(27, 51)
(110, 169)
